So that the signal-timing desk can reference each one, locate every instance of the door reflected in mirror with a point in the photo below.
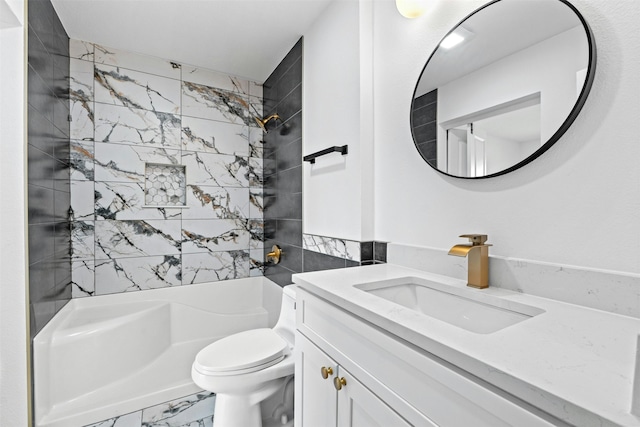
(502, 87)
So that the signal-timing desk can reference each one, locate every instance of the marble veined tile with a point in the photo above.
(129, 420)
(203, 76)
(81, 78)
(256, 172)
(215, 266)
(216, 169)
(82, 157)
(256, 230)
(324, 245)
(138, 62)
(210, 136)
(216, 202)
(211, 103)
(180, 412)
(256, 89)
(256, 143)
(83, 279)
(137, 274)
(82, 117)
(134, 89)
(79, 49)
(122, 125)
(119, 239)
(125, 201)
(126, 163)
(82, 193)
(256, 202)
(214, 235)
(257, 262)
(352, 250)
(82, 239)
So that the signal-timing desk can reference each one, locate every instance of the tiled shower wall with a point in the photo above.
(283, 166)
(283, 186)
(48, 164)
(129, 110)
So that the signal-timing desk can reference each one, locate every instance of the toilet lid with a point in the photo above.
(241, 352)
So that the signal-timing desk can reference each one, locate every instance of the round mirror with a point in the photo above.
(502, 87)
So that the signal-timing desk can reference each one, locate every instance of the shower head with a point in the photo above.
(263, 122)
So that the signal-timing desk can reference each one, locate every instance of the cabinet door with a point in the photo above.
(359, 407)
(315, 396)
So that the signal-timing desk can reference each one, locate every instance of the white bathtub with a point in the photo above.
(105, 356)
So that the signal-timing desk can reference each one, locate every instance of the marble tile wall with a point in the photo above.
(48, 165)
(322, 252)
(129, 110)
(190, 411)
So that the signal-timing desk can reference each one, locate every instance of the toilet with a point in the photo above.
(250, 370)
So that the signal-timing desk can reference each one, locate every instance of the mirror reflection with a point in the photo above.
(502, 87)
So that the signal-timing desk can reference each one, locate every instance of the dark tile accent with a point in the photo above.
(291, 258)
(425, 133)
(314, 261)
(363, 263)
(283, 184)
(380, 251)
(290, 79)
(366, 251)
(289, 156)
(292, 104)
(290, 231)
(426, 99)
(48, 164)
(349, 263)
(279, 275)
(289, 181)
(428, 149)
(289, 131)
(40, 204)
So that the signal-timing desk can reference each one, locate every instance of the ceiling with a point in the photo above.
(246, 38)
(498, 31)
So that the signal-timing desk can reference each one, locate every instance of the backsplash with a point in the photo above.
(130, 112)
(600, 289)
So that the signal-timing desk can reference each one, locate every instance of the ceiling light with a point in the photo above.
(456, 37)
(411, 8)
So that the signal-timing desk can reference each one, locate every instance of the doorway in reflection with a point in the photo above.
(493, 141)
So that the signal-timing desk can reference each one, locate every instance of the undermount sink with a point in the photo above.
(469, 309)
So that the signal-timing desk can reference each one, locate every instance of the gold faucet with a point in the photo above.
(478, 253)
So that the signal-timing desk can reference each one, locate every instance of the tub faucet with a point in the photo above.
(478, 254)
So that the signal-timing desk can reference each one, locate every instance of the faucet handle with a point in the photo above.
(476, 239)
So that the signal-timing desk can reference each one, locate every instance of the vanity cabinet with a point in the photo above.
(389, 382)
(334, 397)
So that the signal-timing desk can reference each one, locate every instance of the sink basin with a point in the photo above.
(469, 309)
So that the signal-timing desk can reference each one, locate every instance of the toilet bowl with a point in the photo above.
(249, 367)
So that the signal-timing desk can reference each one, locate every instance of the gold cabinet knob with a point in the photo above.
(338, 383)
(325, 372)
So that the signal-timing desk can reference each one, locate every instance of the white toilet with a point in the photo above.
(249, 367)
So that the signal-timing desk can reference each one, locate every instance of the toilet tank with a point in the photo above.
(286, 325)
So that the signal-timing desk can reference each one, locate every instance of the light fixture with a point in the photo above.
(411, 8)
(456, 37)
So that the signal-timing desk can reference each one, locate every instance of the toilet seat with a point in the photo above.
(242, 353)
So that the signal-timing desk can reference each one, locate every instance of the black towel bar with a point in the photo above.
(311, 158)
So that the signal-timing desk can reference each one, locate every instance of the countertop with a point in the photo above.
(575, 363)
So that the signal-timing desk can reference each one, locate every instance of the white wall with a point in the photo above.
(337, 110)
(13, 263)
(577, 204)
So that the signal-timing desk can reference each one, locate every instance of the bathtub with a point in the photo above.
(105, 356)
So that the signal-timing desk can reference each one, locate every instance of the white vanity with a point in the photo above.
(492, 357)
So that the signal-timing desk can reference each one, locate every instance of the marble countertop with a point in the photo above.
(573, 362)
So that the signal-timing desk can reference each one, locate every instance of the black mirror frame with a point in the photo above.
(582, 98)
